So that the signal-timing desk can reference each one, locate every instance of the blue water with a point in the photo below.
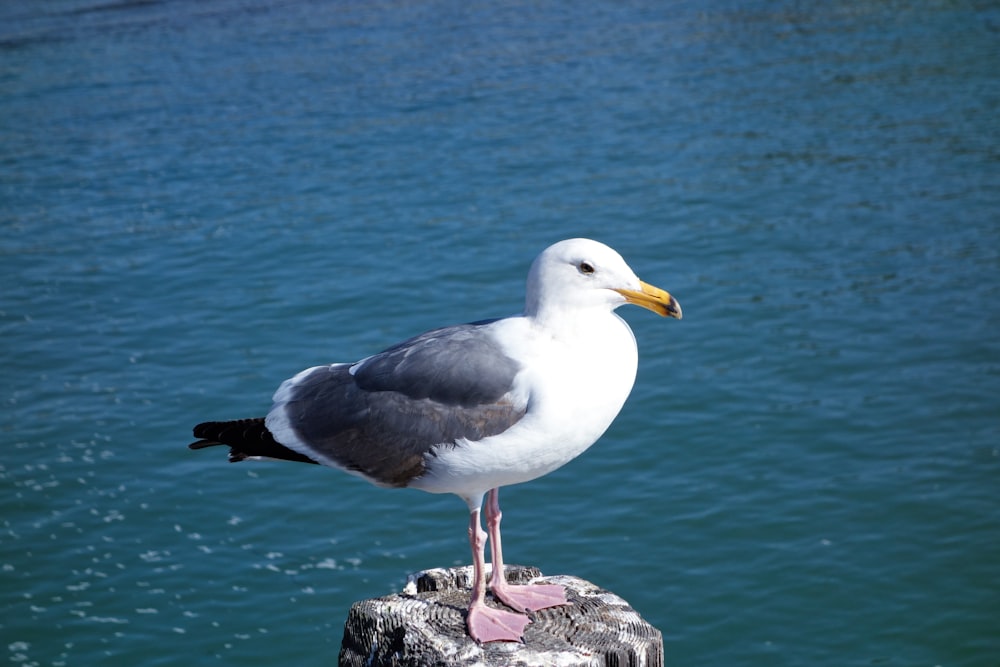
(199, 199)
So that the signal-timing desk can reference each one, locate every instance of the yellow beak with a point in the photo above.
(655, 299)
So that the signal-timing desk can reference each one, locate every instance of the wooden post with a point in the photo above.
(425, 625)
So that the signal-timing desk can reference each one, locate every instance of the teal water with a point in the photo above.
(197, 200)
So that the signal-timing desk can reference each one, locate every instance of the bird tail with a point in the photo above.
(246, 438)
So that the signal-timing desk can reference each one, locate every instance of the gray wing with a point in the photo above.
(384, 415)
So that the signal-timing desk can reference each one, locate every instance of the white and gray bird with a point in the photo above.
(467, 409)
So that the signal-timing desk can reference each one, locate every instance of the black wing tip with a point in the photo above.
(235, 456)
(206, 430)
(202, 444)
(246, 439)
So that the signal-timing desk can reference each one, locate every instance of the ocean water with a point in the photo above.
(198, 199)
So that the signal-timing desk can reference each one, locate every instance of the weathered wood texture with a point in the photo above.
(425, 625)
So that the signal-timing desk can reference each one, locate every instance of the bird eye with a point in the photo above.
(586, 268)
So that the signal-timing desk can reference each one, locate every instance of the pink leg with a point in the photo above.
(485, 623)
(521, 598)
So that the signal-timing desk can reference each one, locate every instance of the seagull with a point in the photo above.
(467, 409)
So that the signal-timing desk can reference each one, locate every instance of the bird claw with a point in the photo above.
(487, 624)
(530, 597)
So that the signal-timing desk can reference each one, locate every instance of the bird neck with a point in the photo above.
(565, 322)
